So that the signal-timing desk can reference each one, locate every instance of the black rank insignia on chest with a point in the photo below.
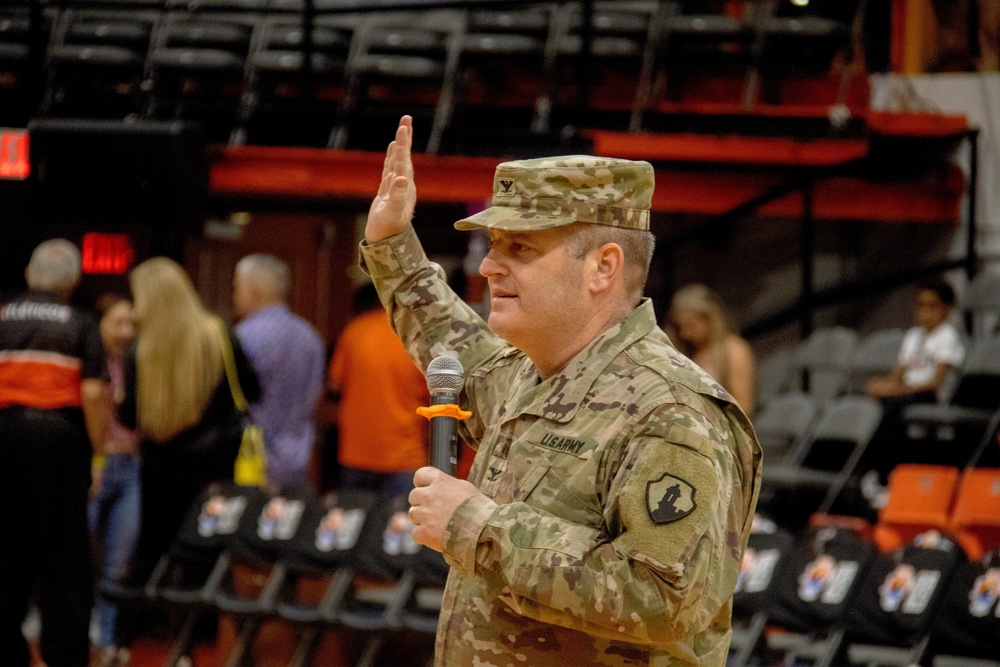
(669, 498)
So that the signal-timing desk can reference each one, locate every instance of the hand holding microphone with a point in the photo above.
(445, 377)
(436, 493)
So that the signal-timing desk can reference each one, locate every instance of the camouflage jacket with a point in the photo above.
(617, 494)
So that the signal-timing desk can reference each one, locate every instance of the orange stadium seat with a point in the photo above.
(920, 499)
(975, 519)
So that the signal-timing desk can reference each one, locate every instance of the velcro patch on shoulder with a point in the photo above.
(669, 498)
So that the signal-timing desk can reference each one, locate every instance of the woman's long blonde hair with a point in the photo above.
(178, 352)
(703, 300)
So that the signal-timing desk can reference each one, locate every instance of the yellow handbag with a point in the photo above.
(251, 462)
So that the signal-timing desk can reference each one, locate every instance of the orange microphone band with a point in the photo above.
(444, 410)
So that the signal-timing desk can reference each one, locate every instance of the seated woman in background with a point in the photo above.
(697, 325)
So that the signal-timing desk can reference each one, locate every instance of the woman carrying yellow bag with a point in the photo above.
(178, 396)
(251, 462)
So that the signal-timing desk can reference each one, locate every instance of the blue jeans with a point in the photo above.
(114, 513)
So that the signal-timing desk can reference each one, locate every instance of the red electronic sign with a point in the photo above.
(14, 162)
(106, 253)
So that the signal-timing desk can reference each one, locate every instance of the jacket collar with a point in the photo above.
(560, 396)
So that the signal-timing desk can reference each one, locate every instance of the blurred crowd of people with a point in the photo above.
(113, 422)
(118, 419)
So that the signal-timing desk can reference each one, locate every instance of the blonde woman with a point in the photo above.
(697, 325)
(178, 398)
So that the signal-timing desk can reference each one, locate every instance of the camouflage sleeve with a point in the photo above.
(425, 313)
(662, 568)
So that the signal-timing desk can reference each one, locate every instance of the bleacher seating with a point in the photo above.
(96, 62)
(21, 86)
(920, 499)
(259, 553)
(823, 360)
(784, 422)
(949, 432)
(813, 475)
(283, 103)
(890, 618)
(773, 374)
(982, 304)
(196, 68)
(621, 34)
(234, 63)
(696, 39)
(402, 63)
(505, 66)
(876, 354)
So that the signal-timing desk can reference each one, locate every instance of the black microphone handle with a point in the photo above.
(443, 438)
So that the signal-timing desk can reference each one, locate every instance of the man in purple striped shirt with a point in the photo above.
(288, 356)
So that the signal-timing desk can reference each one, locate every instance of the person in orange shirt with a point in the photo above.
(382, 440)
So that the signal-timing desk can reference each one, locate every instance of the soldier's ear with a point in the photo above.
(607, 265)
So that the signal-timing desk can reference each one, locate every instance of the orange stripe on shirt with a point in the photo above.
(44, 380)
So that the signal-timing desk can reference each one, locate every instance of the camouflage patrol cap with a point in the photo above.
(529, 195)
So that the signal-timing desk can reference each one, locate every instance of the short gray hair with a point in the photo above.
(54, 266)
(637, 246)
(268, 272)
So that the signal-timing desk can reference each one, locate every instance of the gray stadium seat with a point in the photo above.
(876, 354)
(823, 360)
(284, 104)
(982, 303)
(783, 423)
(949, 433)
(813, 476)
(404, 62)
(774, 374)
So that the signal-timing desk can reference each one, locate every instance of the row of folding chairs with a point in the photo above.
(962, 502)
(836, 360)
(312, 563)
(491, 69)
(834, 366)
(811, 618)
(830, 597)
(837, 595)
(814, 456)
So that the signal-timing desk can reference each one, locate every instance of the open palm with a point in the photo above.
(393, 205)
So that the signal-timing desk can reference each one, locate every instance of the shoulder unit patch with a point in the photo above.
(669, 498)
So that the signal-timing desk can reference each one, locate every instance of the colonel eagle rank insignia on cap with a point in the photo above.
(541, 193)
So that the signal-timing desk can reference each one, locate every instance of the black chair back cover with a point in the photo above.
(820, 577)
(900, 596)
(968, 620)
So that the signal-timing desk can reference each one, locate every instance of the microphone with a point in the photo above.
(445, 377)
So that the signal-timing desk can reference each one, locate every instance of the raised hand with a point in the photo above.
(392, 208)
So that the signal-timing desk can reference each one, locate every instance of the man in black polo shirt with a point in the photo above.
(52, 408)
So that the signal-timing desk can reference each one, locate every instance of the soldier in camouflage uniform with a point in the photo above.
(609, 504)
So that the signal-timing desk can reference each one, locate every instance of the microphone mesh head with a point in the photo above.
(445, 374)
